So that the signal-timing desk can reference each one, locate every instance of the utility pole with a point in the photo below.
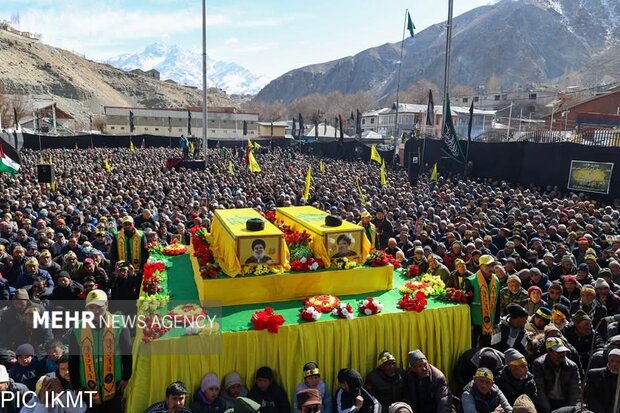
(205, 122)
(509, 120)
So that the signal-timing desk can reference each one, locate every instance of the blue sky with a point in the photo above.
(267, 37)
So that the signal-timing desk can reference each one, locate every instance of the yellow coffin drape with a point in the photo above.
(312, 220)
(228, 226)
(441, 333)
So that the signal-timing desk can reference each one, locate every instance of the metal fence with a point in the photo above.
(605, 138)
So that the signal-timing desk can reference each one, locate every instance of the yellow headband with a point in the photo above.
(385, 359)
(558, 312)
(518, 362)
(543, 315)
(311, 372)
(484, 373)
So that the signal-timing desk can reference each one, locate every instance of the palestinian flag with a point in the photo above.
(7, 164)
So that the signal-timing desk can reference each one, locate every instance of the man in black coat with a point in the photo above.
(387, 381)
(269, 395)
(515, 379)
(427, 386)
(601, 385)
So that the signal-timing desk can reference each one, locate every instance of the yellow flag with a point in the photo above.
(308, 181)
(41, 161)
(51, 159)
(322, 167)
(359, 189)
(434, 173)
(383, 178)
(254, 167)
(53, 185)
(131, 147)
(106, 165)
(257, 146)
(250, 144)
(374, 154)
(191, 148)
(231, 169)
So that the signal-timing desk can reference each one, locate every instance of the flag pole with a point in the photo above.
(205, 124)
(446, 79)
(400, 64)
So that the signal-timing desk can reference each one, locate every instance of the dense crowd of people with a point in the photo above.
(541, 268)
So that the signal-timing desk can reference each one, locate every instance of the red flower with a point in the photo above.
(413, 303)
(413, 271)
(267, 319)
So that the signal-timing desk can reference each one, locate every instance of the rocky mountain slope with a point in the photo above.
(521, 42)
(31, 68)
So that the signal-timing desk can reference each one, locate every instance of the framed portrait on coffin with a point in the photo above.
(344, 244)
(263, 250)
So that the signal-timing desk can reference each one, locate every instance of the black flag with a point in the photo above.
(131, 124)
(352, 116)
(169, 124)
(294, 127)
(340, 121)
(189, 122)
(316, 127)
(272, 129)
(471, 120)
(335, 127)
(301, 125)
(430, 109)
(245, 128)
(358, 124)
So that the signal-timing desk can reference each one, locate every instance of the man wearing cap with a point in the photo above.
(33, 272)
(427, 388)
(565, 267)
(386, 382)
(557, 377)
(308, 401)
(312, 380)
(515, 378)
(513, 293)
(601, 384)
(271, 396)
(482, 394)
(174, 402)
(100, 358)
(484, 303)
(606, 297)
(91, 269)
(512, 333)
(233, 388)
(129, 245)
(11, 393)
(369, 228)
(458, 276)
(538, 321)
(581, 335)
(592, 307)
(46, 263)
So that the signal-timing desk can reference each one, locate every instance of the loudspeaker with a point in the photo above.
(45, 174)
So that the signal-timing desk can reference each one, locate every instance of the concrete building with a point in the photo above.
(597, 112)
(275, 130)
(224, 122)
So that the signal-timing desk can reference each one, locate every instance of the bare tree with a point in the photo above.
(462, 91)
(5, 108)
(20, 109)
(99, 123)
(416, 93)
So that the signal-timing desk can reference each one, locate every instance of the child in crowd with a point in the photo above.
(233, 388)
(268, 394)
(206, 399)
(312, 380)
(534, 301)
(27, 370)
(351, 396)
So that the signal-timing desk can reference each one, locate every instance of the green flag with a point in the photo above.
(410, 25)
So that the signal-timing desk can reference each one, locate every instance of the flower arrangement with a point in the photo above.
(267, 319)
(307, 264)
(154, 328)
(271, 216)
(202, 251)
(323, 303)
(343, 310)
(151, 284)
(413, 271)
(153, 302)
(429, 285)
(300, 251)
(457, 296)
(370, 306)
(343, 263)
(413, 302)
(155, 248)
(187, 314)
(174, 249)
(381, 259)
(310, 314)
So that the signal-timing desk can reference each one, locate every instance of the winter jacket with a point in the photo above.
(600, 390)
(345, 402)
(544, 375)
(13, 405)
(274, 400)
(473, 402)
(583, 343)
(438, 390)
(386, 390)
(201, 405)
(326, 398)
(513, 387)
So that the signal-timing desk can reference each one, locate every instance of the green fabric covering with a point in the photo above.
(237, 318)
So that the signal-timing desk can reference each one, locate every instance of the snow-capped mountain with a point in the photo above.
(185, 67)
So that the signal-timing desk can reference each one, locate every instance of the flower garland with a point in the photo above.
(154, 327)
(310, 314)
(413, 271)
(153, 278)
(370, 306)
(323, 303)
(381, 259)
(343, 263)
(344, 310)
(429, 285)
(202, 251)
(174, 249)
(155, 248)
(307, 264)
(457, 296)
(411, 302)
(297, 241)
(267, 319)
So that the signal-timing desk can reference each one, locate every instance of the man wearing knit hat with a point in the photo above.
(581, 335)
(268, 394)
(458, 276)
(11, 393)
(557, 377)
(601, 384)
(513, 293)
(512, 332)
(485, 313)
(607, 298)
(592, 307)
(105, 368)
(565, 267)
(233, 387)
(483, 395)
(515, 378)
(427, 387)
(400, 407)
(312, 380)
(207, 399)
(386, 382)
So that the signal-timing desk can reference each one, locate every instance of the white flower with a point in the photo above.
(348, 315)
(316, 315)
(368, 311)
(314, 266)
(335, 311)
(365, 303)
(303, 260)
(379, 307)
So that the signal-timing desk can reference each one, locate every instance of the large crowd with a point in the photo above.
(541, 268)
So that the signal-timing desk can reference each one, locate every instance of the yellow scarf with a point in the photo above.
(135, 248)
(487, 322)
(87, 346)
